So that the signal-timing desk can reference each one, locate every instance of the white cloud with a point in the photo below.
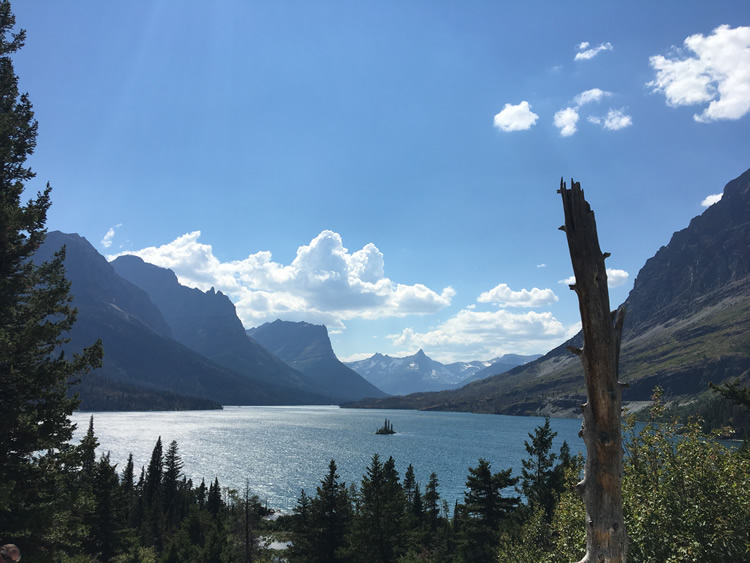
(710, 200)
(504, 296)
(106, 242)
(325, 283)
(515, 118)
(565, 121)
(593, 95)
(541, 265)
(584, 53)
(615, 278)
(475, 334)
(615, 120)
(718, 72)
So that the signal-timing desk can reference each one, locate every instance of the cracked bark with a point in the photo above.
(601, 487)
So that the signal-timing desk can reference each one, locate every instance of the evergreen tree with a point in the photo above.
(214, 502)
(377, 530)
(152, 526)
(409, 485)
(110, 512)
(170, 486)
(539, 479)
(35, 315)
(333, 513)
(486, 508)
(431, 502)
(87, 450)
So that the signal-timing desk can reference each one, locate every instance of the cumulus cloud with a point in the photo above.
(541, 265)
(593, 95)
(615, 278)
(515, 118)
(504, 296)
(615, 120)
(718, 71)
(472, 334)
(710, 200)
(586, 52)
(566, 120)
(106, 242)
(325, 283)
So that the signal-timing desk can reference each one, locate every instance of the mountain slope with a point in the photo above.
(207, 323)
(687, 323)
(307, 348)
(138, 348)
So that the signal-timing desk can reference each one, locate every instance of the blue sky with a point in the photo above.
(386, 168)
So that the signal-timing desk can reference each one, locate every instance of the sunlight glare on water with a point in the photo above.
(280, 450)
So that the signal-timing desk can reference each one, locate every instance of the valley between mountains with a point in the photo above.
(167, 346)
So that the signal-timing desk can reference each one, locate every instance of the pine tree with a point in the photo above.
(333, 513)
(87, 450)
(171, 482)
(538, 476)
(487, 508)
(431, 502)
(35, 314)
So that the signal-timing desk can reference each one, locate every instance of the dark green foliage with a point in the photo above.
(323, 521)
(486, 509)
(35, 315)
(539, 479)
(377, 532)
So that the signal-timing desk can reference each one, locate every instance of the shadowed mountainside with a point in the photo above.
(687, 323)
(307, 348)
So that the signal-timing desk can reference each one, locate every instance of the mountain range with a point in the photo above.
(687, 324)
(167, 346)
(418, 372)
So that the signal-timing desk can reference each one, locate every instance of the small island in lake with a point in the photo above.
(387, 428)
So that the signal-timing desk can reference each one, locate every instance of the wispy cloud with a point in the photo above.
(710, 200)
(593, 95)
(586, 52)
(615, 120)
(566, 120)
(106, 242)
(718, 72)
(515, 118)
(615, 278)
(541, 265)
(325, 283)
(504, 296)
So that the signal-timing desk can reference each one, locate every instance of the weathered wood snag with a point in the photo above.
(601, 488)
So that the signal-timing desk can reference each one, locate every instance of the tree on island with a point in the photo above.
(387, 428)
(35, 314)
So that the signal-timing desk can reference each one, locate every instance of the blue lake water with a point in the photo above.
(280, 450)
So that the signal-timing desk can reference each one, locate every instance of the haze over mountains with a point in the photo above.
(687, 324)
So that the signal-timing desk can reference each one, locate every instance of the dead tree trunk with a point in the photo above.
(601, 488)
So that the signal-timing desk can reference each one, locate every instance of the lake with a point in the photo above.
(280, 450)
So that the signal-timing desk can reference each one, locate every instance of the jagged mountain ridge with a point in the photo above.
(138, 348)
(419, 372)
(687, 323)
(207, 323)
(307, 348)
